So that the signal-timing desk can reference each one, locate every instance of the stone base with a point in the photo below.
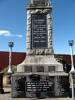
(39, 85)
(39, 76)
(40, 60)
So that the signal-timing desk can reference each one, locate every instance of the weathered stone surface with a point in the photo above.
(39, 86)
(39, 60)
(29, 29)
(40, 51)
(18, 86)
(40, 68)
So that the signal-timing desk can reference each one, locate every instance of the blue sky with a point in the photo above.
(13, 24)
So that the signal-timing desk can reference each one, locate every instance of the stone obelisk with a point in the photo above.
(39, 75)
(39, 38)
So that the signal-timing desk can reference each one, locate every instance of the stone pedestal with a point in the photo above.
(39, 75)
(40, 85)
(48, 62)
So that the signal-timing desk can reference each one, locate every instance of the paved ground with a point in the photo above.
(7, 96)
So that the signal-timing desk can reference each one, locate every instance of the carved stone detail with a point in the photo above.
(47, 50)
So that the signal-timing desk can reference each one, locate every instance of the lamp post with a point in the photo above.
(10, 44)
(72, 71)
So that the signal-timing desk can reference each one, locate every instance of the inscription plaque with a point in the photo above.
(22, 87)
(39, 87)
(39, 31)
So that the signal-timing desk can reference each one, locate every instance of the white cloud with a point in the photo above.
(19, 35)
(5, 33)
(8, 34)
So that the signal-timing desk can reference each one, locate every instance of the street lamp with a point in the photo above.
(72, 71)
(10, 44)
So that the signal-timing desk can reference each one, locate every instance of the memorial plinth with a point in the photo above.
(40, 85)
(34, 61)
(40, 74)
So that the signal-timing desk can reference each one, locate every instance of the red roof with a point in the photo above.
(66, 58)
(17, 58)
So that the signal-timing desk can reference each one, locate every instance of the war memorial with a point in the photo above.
(39, 75)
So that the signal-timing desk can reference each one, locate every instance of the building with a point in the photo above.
(4, 59)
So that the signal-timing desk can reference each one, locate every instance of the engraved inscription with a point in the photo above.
(39, 31)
